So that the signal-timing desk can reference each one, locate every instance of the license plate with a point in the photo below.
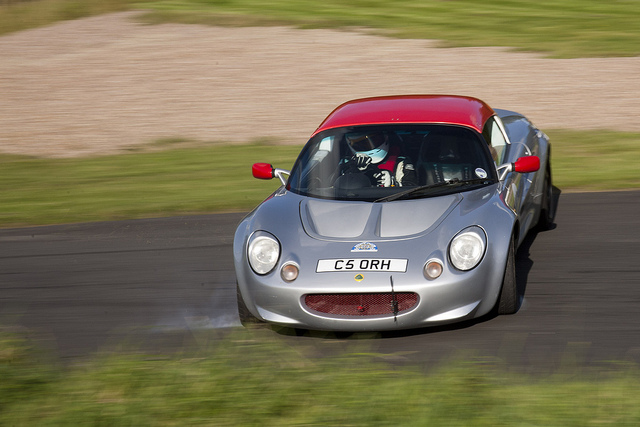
(361, 264)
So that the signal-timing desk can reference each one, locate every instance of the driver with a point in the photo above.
(378, 159)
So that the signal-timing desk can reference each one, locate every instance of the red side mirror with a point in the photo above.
(262, 170)
(527, 164)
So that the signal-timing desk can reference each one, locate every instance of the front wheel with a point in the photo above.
(509, 301)
(548, 208)
(246, 318)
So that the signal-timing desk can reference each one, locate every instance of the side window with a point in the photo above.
(496, 140)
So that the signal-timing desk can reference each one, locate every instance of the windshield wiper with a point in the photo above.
(416, 190)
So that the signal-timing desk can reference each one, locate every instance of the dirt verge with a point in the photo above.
(106, 84)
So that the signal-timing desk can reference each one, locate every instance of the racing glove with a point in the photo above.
(383, 178)
(362, 161)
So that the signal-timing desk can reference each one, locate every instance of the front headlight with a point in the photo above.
(467, 248)
(263, 252)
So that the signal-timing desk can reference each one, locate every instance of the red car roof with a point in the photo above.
(449, 109)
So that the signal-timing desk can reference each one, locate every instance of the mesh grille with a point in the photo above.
(360, 304)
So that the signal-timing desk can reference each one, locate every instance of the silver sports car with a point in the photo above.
(400, 212)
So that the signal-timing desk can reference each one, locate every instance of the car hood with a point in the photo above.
(330, 219)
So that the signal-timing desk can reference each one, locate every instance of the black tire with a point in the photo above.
(246, 318)
(548, 210)
(509, 301)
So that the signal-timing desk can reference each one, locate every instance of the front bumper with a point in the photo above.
(454, 296)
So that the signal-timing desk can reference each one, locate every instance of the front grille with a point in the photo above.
(372, 304)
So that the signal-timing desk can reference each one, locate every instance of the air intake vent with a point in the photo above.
(374, 304)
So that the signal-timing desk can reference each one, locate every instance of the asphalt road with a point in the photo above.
(162, 284)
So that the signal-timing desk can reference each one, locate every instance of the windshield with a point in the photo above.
(372, 163)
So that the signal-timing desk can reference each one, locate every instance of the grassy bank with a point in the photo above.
(212, 178)
(251, 379)
(16, 15)
(217, 177)
(595, 161)
(560, 28)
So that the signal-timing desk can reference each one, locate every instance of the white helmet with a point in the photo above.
(372, 144)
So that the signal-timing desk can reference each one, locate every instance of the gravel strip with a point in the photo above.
(107, 84)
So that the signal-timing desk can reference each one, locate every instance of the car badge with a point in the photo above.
(359, 278)
(365, 247)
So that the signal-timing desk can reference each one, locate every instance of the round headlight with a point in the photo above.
(467, 248)
(263, 253)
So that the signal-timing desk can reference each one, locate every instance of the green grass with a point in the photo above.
(184, 181)
(255, 378)
(561, 28)
(595, 160)
(217, 177)
(18, 15)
